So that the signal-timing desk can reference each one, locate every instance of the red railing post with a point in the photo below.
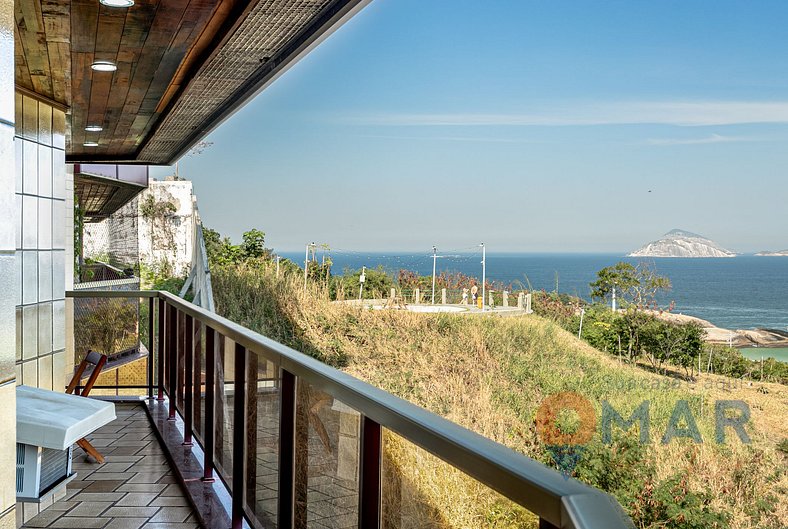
(210, 397)
(188, 375)
(150, 348)
(369, 488)
(160, 350)
(239, 437)
(287, 441)
(172, 364)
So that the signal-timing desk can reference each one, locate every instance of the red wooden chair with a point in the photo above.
(97, 360)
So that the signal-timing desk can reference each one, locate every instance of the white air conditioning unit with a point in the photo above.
(39, 470)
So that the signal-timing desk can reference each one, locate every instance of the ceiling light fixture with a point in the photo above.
(90, 144)
(117, 3)
(104, 66)
(94, 128)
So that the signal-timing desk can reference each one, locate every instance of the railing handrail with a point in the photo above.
(561, 501)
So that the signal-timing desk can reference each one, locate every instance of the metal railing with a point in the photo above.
(222, 392)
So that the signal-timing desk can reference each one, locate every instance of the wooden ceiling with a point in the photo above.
(183, 66)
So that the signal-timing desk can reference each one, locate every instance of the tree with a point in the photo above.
(621, 276)
(254, 244)
(636, 285)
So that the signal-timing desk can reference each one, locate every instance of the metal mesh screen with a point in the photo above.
(110, 251)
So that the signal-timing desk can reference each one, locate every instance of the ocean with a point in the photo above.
(744, 292)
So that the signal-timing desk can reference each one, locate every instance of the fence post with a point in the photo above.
(528, 304)
(505, 298)
(520, 297)
(417, 296)
(443, 296)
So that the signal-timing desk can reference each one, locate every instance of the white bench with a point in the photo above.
(47, 425)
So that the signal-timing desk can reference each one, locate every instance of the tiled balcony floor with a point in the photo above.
(133, 489)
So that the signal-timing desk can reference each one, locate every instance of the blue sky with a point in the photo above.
(559, 126)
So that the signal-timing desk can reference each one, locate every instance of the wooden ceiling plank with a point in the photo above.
(109, 31)
(160, 35)
(132, 41)
(31, 24)
(80, 94)
(21, 72)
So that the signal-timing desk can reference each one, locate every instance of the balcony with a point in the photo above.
(260, 435)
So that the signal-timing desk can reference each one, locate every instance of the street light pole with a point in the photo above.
(306, 262)
(434, 262)
(361, 279)
(484, 271)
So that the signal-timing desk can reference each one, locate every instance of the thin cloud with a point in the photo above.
(714, 138)
(684, 114)
(474, 139)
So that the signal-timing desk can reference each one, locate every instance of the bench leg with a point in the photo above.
(89, 450)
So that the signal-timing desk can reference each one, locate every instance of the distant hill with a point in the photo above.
(782, 253)
(680, 243)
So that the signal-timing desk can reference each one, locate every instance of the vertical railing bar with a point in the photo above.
(160, 350)
(180, 361)
(210, 395)
(150, 348)
(239, 437)
(369, 488)
(198, 381)
(188, 375)
(287, 427)
(172, 363)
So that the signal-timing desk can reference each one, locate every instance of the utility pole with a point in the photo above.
(484, 271)
(434, 262)
(361, 279)
(582, 313)
(306, 262)
(614, 298)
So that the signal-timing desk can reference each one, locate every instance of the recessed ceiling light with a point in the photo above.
(104, 66)
(94, 128)
(117, 3)
(90, 144)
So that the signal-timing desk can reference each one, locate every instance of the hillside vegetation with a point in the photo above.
(490, 374)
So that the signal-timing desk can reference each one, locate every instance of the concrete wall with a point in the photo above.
(157, 242)
(170, 241)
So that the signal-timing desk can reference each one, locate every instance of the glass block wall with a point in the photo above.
(42, 202)
(8, 282)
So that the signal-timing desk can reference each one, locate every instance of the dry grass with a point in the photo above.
(489, 374)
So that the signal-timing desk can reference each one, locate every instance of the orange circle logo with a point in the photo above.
(548, 414)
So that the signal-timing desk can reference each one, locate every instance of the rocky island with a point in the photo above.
(781, 253)
(680, 243)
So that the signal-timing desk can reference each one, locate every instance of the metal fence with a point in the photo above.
(296, 441)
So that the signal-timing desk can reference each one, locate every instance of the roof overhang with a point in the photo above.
(183, 66)
(103, 189)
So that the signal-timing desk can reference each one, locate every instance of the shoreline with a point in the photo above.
(738, 338)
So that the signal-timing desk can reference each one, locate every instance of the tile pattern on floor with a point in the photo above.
(133, 489)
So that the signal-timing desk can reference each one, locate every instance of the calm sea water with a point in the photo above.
(744, 292)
